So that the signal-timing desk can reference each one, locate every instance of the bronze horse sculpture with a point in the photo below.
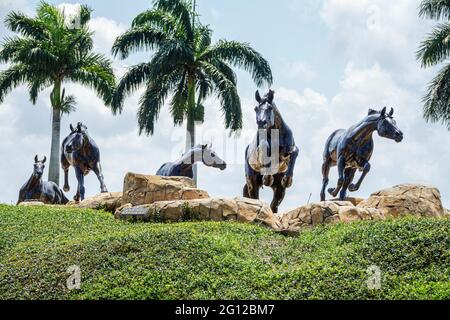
(38, 190)
(183, 167)
(270, 158)
(352, 149)
(80, 151)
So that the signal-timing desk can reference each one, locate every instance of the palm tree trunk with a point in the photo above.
(53, 171)
(190, 128)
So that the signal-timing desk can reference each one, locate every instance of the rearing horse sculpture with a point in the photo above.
(80, 151)
(183, 166)
(270, 158)
(352, 149)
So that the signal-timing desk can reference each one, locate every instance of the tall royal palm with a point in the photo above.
(185, 65)
(434, 50)
(48, 52)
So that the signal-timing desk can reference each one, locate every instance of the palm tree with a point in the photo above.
(47, 53)
(434, 50)
(185, 65)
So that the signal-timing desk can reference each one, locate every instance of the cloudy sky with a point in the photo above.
(332, 60)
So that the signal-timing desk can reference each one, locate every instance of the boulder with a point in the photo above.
(142, 189)
(407, 199)
(31, 203)
(211, 209)
(355, 201)
(325, 212)
(109, 201)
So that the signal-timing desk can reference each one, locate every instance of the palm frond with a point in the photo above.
(436, 48)
(172, 54)
(202, 38)
(243, 56)
(85, 14)
(152, 100)
(36, 86)
(229, 98)
(133, 78)
(179, 102)
(180, 9)
(13, 77)
(68, 103)
(96, 73)
(136, 39)
(28, 27)
(435, 9)
(156, 18)
(437, 99)
(51, 17)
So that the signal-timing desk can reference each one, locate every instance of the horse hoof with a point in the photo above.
(352, 188)
(268, 181)
(104, 191)
(286, 182)
(66, 188)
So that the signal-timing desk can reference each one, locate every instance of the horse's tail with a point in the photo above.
(160, 170)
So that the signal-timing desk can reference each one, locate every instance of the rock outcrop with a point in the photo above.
(174, 199)
(109, 201)
(142, 189)
(399, 201)
(325, 212)
(405, 200)
(212, 209)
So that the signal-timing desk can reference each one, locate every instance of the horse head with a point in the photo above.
(387, 126)
(211, 159)
(76, 138)
(39, 167)
(265, 114)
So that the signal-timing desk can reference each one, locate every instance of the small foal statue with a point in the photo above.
(38, 190)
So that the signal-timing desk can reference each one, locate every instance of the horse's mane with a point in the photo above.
(278, 118)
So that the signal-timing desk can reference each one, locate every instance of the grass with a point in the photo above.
(207, 260)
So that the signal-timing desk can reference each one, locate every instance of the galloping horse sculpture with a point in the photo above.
(80, 151)
(36, 189)
(183, 166)
(352, 149)
(270, 158)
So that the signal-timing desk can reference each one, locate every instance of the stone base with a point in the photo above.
(406, 200)
(399, 201)
(109, 201)
(238, 209)
(142, 189)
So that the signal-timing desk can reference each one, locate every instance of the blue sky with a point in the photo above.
(332, 60)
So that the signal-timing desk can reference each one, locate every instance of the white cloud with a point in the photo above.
(384, 31)
(105, 33)
(300, 71)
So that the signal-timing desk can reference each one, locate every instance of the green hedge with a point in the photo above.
(207, 260)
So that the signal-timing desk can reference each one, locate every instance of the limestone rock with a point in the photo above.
(211, 209)
(31, 204)
(325, 212)
(108, 201)
(142, 189)
(406, 199)
(355, 201)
